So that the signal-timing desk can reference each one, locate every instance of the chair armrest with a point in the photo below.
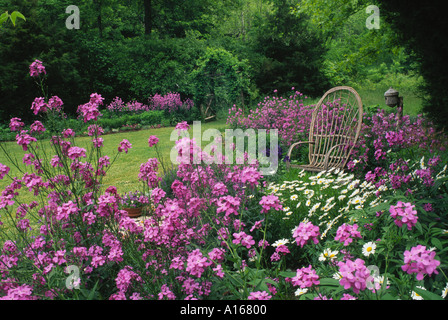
(327, 155)
(293, 146)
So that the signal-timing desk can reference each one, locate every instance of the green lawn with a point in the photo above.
(412, 103)
(124, 172)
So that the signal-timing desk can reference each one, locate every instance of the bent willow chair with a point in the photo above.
(334, 130)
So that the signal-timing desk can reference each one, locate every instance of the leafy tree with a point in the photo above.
(287, 53)
(220, 80)
(421, 27)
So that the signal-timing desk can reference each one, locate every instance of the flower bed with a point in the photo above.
(221, 231)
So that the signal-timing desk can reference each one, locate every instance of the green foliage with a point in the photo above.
(287, 52)
(220, 80)
(13, 17)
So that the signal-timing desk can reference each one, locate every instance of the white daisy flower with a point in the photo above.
(328, 255)
(368, 248)
(415, 295)
(280, 242)
(300, 291)
(445, 291)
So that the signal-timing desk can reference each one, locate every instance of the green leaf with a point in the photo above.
(16, 15)
(427, 295)
(436, 243)
(329, 282)
(288, 274)
(4, 17)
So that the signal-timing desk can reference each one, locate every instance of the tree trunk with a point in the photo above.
(99, 4)
(148, 16)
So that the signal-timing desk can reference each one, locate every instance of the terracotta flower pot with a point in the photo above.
(133, 212)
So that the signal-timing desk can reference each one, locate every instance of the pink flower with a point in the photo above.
(304, 232)
(98, 142)
(217, 254)
(259, 295)
(346, 233)
(63, 212)
(76, 152)
(23, 292)
(55, 103)
(196, 263)
(305, 278)
(28, 158)
(23, 225)
(37, 68)
(152, 141)
(354, 274)
(270, 201)
(219, 271)
(68, 133)
(403, 213)
(56, 161)
(89, 218)
(420, 261)
(3, 171)
(148, 173)
(177, 263)
(96, 98)
(59, 257)
(124, 278)
(250, 175)
(89, 111)
(166, 292)
(182, 126)
(16, 124)
(229, 205)
(39, 105)
(23, 139)
(37, 126)
(95, 130)
(125, 145)
(243, 239)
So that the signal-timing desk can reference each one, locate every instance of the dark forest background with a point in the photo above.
(234, 51)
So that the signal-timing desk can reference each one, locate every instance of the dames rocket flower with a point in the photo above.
(36, 68)
(421, 261)
(152, 141)
(354, 274)
(346, 233)
(270, 201)
(3, 171)
(304, 232)
(125, 145)
(305, 278)
(404, 213)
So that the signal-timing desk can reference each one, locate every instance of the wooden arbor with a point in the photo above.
(334, 130)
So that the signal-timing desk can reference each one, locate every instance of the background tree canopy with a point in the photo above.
(137, 48)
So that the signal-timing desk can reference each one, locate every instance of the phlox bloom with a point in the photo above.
(304, 232)
(305, 278)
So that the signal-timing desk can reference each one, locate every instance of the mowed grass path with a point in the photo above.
(124, 172)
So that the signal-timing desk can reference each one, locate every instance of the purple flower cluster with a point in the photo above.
(304, 232)
(36, 68)
(421, 261)
(404, 213)
(171, 102)
(346, 233)
(354, 274)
